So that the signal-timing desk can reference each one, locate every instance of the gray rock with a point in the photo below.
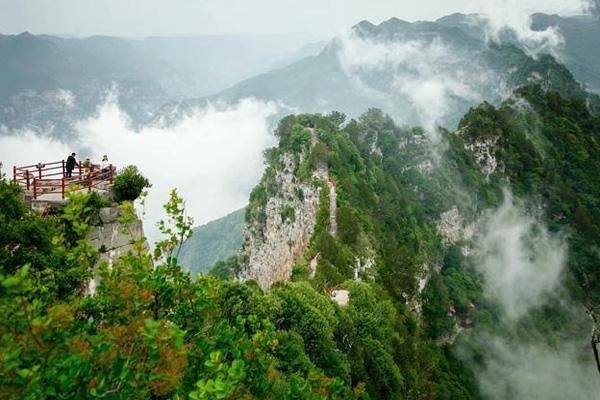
(109, 214)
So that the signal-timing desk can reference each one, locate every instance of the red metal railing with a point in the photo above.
(40, 179)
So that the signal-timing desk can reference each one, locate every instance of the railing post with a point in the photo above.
(14, 173)
(79, 165)
(34, 189)
(39, 167)
(62, 187)
(27, 178)
(89, 177)
(63, 168)
(110, 174)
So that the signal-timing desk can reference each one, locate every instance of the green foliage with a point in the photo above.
(299, 138)
(337, 118)
(288, 214)
(149, 331)
(26, 238)
(175, 230)
(129, 184)
(225, 269)
(255, 211)
(550, 153)
(348, 226)
(81, 211)
(319, 154)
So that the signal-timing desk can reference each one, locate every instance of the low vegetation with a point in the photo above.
(129, 184)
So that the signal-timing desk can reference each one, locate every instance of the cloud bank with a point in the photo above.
(520, 261)
(513, 17)
(213, 156)
(522, 265)
(593, 7)
(428, 82)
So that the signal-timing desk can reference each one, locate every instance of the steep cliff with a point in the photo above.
(270, 250)
(113, 237)
(274, 243)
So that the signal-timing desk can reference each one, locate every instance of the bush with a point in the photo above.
(288, 214)
(299, 138)
(129, 184)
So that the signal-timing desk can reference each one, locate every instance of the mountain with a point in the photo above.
(421, 73)
(215, 241)
(581, 35)
(47, 82)
(578, 33)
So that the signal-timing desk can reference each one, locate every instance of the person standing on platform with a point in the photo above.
(105, 165)
(70, 165)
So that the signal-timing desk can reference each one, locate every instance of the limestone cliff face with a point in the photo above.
(269, 252)
(484, 151)
(113, 238)
(453, 228)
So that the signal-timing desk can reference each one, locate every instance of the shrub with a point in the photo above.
(288, 214)
(299, 138)
(129, 184)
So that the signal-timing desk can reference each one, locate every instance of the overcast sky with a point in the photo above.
(318, 18)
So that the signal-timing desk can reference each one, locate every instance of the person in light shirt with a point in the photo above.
(105, 166)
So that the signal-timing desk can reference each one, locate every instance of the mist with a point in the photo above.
(522, 263)
(431, 81)
(593, 7)
(213, 155)
(513, 17)
(426, 82)
(523, 266)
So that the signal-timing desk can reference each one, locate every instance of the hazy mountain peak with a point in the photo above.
(393, 22)
(364, 26)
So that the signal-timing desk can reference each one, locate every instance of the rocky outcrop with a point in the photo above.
(453, 229)
(112, 238)
(268, 254)
(341, 297)
(483, 150)
(363, 266)
(322, 172)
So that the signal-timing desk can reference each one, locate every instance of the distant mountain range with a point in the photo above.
(48, 82)
(420, 73)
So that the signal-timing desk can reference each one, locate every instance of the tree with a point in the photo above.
(129, 184)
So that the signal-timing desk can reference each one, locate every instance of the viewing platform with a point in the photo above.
(46, 184)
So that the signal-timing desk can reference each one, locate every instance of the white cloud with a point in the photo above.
(213, 156)
(521, 262)
(522, 266)
(593, 7)
(435, 79)
(514, 16)
(27, 148)
(515, 370)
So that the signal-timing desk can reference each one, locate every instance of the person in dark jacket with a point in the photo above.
(70, 165)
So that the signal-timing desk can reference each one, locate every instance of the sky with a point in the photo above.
(315, 18)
